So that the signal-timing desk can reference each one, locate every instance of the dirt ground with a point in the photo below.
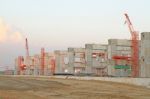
(52, 88)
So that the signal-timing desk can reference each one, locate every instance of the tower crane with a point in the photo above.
(134, 47)
(27, 54)
(27, 48)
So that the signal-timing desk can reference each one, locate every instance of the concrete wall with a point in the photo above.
(77, 59)
(145, 54)
(62, 60)
(33, 65)
(37, 64)
(118, 47)
(96, 59)
(133, 81)
(47, 64)
(16, 72)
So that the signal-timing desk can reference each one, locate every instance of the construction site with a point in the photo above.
(56, 68)
(118, 58)
(116, 70)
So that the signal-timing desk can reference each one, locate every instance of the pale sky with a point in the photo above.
(59, 24)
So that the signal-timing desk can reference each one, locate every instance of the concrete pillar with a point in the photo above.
(145, 55)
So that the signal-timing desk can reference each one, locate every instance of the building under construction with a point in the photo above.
(145, 55)
(113, 59)
(118, 58)
(96, 59)
(119, 53)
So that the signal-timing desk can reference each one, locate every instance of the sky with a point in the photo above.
(59, 24)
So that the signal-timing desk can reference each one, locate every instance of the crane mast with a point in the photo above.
(27, 48)
(134, 47)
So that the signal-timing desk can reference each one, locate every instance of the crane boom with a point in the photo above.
(130, 26)
(135, 48)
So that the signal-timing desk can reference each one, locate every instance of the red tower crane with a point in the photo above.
(27, 52)
(27, 48)
(135, 47)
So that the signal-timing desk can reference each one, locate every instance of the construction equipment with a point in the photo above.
(27, 63)
(27, 48)
(135, 47)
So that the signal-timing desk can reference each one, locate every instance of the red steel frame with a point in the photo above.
(52, 62)
(122, 58)
(116, 58)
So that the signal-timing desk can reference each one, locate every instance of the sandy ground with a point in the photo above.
(52, 88)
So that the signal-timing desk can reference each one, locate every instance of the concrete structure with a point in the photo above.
(30, 65)
(77, 60)
(47, 63)
(132, 81)
(113, 59)
(96, 59)
(145, 55)
(119, 48)
(19, 61)
(33, 65)
(16, 71)
(61, 61)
